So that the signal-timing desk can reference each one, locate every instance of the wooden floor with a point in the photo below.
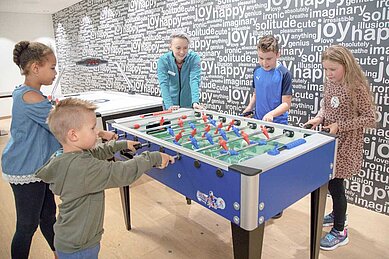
(163, 226)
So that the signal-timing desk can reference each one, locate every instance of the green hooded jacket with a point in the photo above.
(79, 179)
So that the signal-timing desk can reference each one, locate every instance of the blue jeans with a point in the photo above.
(35, 206)
(89, 253)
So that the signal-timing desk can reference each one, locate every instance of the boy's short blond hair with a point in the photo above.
(69, 113)
(268, 43)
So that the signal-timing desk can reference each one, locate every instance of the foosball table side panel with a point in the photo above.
(287, 183)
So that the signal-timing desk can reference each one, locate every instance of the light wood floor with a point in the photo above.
(163, 226)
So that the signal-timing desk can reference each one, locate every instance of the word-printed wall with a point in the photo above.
(132, 34)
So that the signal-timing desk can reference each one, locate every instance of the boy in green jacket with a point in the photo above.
(79, 174)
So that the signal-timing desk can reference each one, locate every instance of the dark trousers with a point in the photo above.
(35, 206)
(339, 202)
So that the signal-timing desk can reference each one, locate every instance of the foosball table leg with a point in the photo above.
(188, 201)
(125, 197)
(318, 203)
(247, 244)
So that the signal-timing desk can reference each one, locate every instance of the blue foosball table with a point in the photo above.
(245, 170)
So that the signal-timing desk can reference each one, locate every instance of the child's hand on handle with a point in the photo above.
(197, 106)
(131, 145)
(247, 113)
(313, 123)
(166, 159)
(174, 107)
(332, 128)
(268, 117)
(108, 135)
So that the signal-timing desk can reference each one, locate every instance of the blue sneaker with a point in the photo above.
(328, 220)
(334, 239)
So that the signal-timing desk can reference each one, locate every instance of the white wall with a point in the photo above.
(15, 27)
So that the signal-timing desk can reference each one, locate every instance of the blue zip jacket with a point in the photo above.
(31, 143)
(179, 88)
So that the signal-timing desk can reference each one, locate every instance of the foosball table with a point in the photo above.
(243, 169)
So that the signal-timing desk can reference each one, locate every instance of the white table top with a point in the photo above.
(110, 102)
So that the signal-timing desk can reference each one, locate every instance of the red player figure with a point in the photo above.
(245, 137)
(264, 131)
(207, 129)
(161, 121)
(180, 123)
(136, 126)
(184, 117)
(193, 133)
(218, 127)
(205, 118)
(179, 136)
(155, 113)
(231, 123)
(223, 143)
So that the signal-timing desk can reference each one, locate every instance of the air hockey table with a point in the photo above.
(244, 170)
(113, 105)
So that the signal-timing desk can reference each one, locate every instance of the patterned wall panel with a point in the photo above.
(134, 33)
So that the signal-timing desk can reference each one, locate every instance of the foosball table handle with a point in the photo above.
(289, 145)
(128, 154)
(141, 145)
(309, 126)
(177, 157)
